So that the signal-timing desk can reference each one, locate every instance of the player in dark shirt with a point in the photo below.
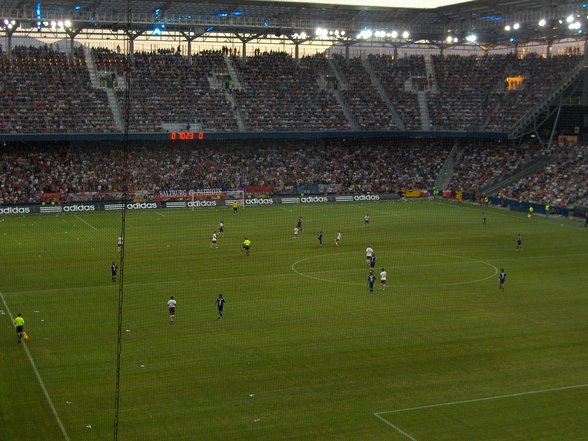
(371, 281)
(320, 237)
(373, 261)
(501, 279)
(519, 242)
(299, 223)
(220, 304)
(113, 269)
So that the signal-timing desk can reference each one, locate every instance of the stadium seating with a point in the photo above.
(43, 91)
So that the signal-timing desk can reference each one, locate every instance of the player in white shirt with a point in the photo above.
(171, 307)
(120, 243)
(366, 219)
(338, 238)
(296, 231)
(383, 277)
(213, 243)
(368, 254)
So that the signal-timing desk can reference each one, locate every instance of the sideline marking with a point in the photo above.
(82, 220)
(475, 400)
(39, 379)
(466, 259)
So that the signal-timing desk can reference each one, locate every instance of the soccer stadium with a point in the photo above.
(317, 221)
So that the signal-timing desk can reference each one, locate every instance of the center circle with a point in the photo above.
(406, 269)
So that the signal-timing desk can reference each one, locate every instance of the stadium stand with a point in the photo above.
(43, 91)
(28, 174)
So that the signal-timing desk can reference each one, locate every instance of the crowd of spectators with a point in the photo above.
(281, 94)
(362, 98)
(167, 88)
(484, 164)
(562, 182)
(400, 79)
(44, 91)
(29, 172)
(540, 77)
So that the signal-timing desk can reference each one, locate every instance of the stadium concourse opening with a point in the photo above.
(302, 221)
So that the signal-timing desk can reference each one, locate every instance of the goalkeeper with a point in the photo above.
(246, 246)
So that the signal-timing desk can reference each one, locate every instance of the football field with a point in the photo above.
(303, 351)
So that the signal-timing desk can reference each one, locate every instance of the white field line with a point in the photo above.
(398, 429)
(475, 400)
(466, 259)
(90, 225)
(212, 279)
(159, 214)
(39, 379)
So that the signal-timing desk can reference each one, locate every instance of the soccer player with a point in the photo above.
(246, 246)
(383, 277)
(501, 279)
(120, 243)
(221, 229)
(373, 261)
(235, 206)
(530, 215)
(299, 223)
(213, 243)
(19, 325)
(171, 307)
(113, 269)
(319, 236)
(519, 242)
(484, 217)
(371, 281)
(220, 304)
(338, 238)
(366, 219)
(295, 233)
(368, 254)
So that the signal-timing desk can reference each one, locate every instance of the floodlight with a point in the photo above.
(455, 39)
(570, 18)
(405, 34)
(516, 26)
(507, 28)
(449, 39)
(60, 23)
(67, 23)
(542, 22)
(53, 24)
(471, 38)
(342, 33)
(394, 34)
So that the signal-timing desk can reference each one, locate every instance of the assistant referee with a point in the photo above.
(19, 324)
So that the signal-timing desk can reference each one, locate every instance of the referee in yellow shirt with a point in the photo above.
(19, 324)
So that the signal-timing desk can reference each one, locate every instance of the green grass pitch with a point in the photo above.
(303, 352)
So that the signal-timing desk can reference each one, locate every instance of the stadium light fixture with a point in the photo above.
(471, 38)
(507, 28)
(570, 18)
(320, 32)
(455, 40)
(394, 34)
(53, 24)
(405, 35)
(67, 23)
(516, 26)
(449, 39)
(542, 22)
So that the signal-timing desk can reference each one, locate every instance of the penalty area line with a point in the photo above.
(475, 400)
(39, 379)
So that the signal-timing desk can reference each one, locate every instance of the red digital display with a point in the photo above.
(186, 136)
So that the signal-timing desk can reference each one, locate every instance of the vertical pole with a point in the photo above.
(189, 50)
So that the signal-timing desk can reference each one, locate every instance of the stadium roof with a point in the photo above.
(486, 18)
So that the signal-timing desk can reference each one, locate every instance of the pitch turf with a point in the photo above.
(303, 352)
